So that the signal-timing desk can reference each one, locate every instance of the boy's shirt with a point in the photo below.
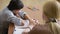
(6, 17)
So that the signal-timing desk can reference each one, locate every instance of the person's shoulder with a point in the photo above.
(6, 10)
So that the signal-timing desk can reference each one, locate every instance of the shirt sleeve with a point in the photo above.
(12, 18)
(22, 13)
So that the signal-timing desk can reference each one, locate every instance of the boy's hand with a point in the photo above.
(34, 22)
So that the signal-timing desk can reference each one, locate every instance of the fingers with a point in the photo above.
(35, 21)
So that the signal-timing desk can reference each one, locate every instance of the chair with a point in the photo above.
(11, 28)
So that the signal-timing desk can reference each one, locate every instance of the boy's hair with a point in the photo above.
(15, 4)
(58, 0)
(50, 9)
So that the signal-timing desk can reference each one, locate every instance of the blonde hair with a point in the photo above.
(50, 9)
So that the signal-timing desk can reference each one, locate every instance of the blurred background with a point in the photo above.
(32, 7)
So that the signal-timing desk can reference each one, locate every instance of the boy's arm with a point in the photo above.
(25, 16)
(12, 18)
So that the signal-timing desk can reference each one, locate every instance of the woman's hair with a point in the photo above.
(15, 4)
(50, 9)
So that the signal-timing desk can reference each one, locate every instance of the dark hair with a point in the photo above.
(15, 4)
(58, 0)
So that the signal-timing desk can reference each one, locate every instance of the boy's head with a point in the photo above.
(15, 5)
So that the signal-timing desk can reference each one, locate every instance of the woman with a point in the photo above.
(51, 16)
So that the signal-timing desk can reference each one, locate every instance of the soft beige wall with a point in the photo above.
(29, 3)
(3, 3)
